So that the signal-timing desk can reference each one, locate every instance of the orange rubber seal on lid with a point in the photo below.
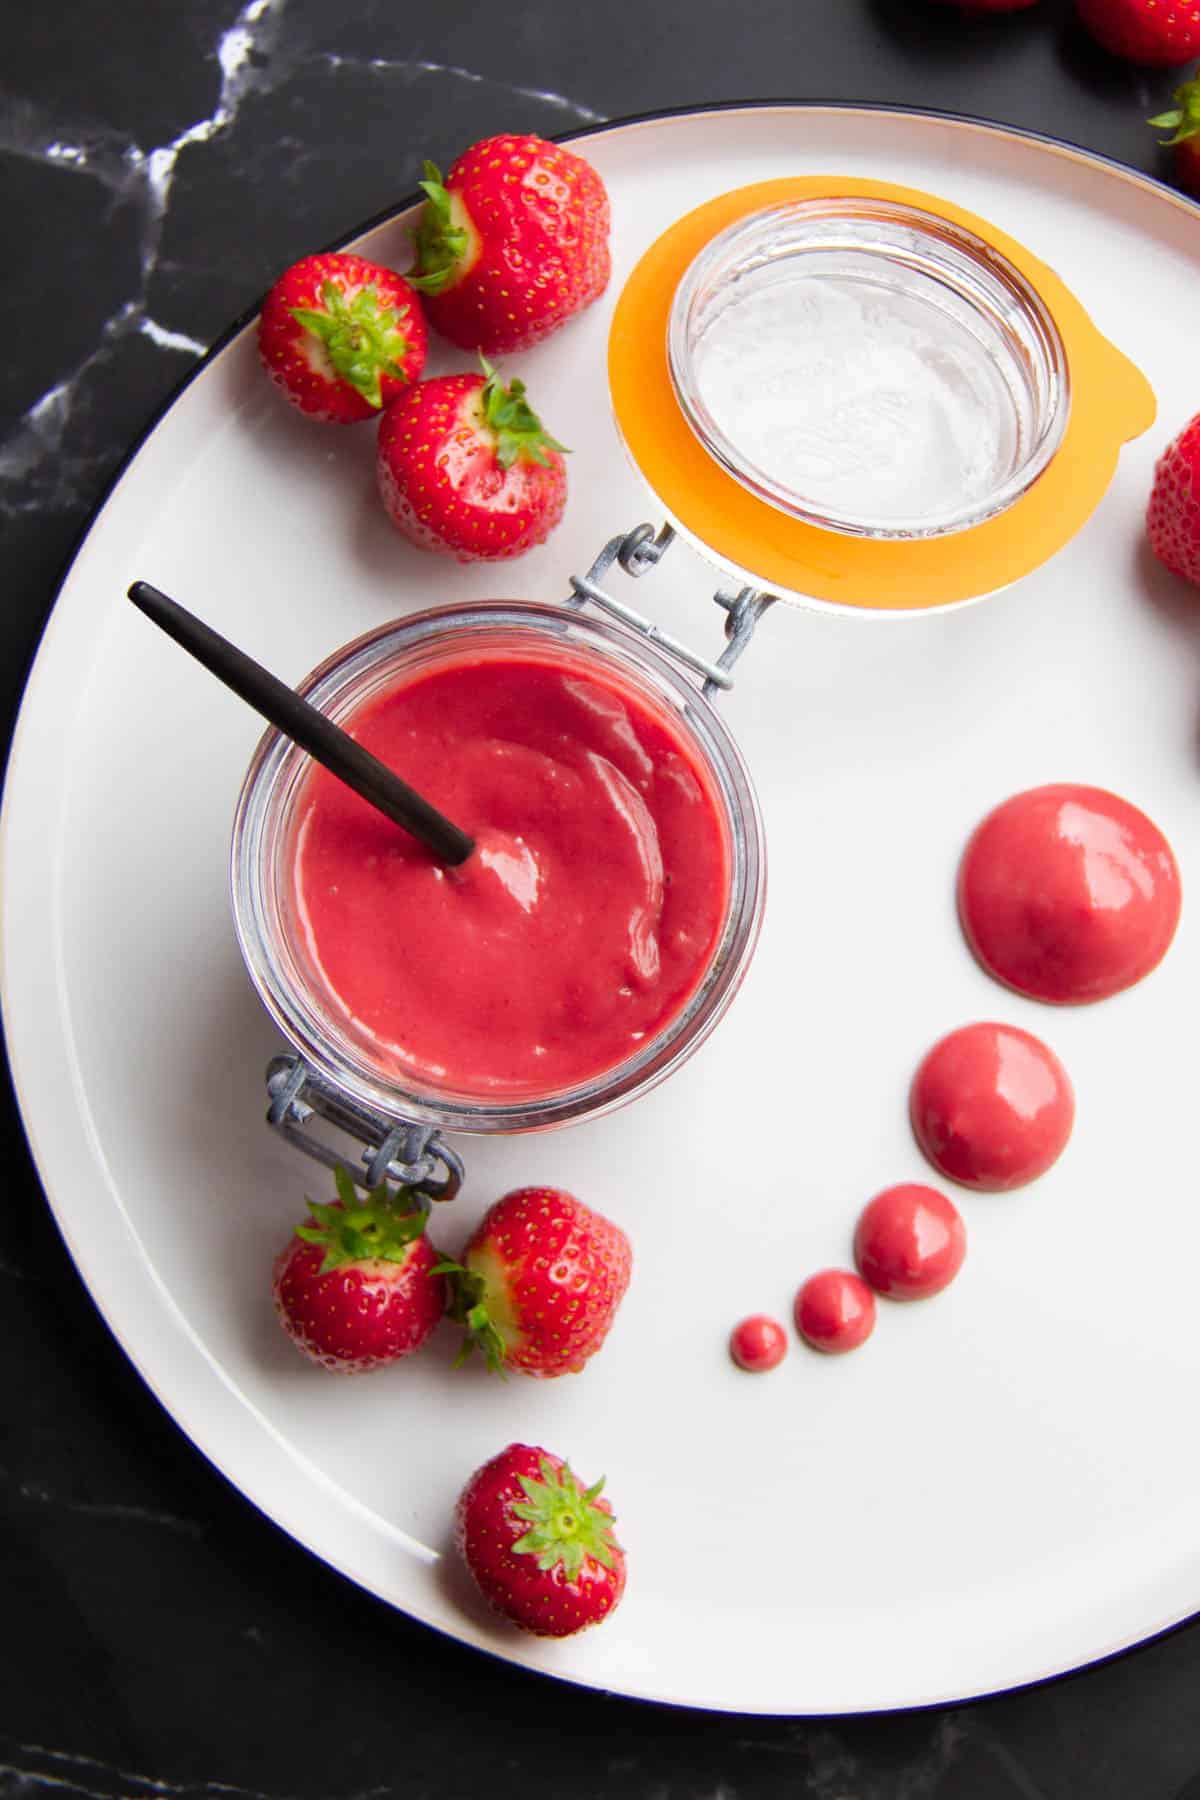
(1111, 402)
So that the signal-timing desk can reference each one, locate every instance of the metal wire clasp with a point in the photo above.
(404, 1152)
(637, 552)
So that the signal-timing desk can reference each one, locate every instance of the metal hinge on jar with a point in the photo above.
(637, 552)
(404, 1152)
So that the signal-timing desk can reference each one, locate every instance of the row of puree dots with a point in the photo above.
(1066, 894)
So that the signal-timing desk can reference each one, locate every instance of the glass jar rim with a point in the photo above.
(988, 266)
(263, 811)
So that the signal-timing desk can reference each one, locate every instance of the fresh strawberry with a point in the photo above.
(539, 1282)
(1183, 121)
(539, 1545)
(342, 337)
(512, 244)
(466, 468)
(1159, 33)
(1173, 517)
(356, 1286)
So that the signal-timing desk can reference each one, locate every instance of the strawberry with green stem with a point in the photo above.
(539, 1283)
(1183, 122)
(342, 337)
(512, 244)
(357, 1286)
(539, 1544)
(466, 468)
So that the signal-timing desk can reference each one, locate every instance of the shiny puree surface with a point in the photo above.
(589, 911)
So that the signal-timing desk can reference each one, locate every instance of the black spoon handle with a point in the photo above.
(324, 741)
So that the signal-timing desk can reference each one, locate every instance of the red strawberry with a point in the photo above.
(342, 337)
(466, 468)
(1173, 518)
(1161, 33)
(539, 1282)
(513, 244)
(1183, 121)
(357, 1288)
(539, 1545)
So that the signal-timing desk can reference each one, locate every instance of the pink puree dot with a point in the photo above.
(992, 1107)
(910, 1242)
(835, 1311)
(758, 1344)
(1068, 894)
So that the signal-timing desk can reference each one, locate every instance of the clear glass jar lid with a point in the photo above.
(868, 367)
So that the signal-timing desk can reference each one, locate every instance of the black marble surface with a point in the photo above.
(159, 165)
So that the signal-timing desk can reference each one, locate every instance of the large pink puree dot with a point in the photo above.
(910, 1242)
(1068, 893)
(992, 1106)
(835, 1311)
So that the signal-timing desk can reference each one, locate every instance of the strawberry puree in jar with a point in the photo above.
(1068, 894)
(586, 917)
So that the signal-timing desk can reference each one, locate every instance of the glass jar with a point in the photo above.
(868, 367)
(271, 935)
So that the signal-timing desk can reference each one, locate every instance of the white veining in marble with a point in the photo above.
(1024, 1786)
(40, 444)
(39, 464)
(832, 1771)
(40, 467)
(40, 1767)
(170, 340)
(249, 55)
(109, 1509)
(416, 67)
(41, 1494)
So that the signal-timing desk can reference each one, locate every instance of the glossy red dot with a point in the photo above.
(910, 1242)
(1068, 893)
(835, 1311)
(992, 1106)
(758, 1344)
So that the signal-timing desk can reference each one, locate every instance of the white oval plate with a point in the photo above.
(1005, 1482)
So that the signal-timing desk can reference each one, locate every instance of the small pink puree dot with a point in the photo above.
(835, 1311)
(758, 1344)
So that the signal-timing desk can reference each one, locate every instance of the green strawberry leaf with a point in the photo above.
(439, 242)
(362, 338)
(565, 1524)
(380, 1228)
(468, 1307)
(1183, 119)
(517, 429)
